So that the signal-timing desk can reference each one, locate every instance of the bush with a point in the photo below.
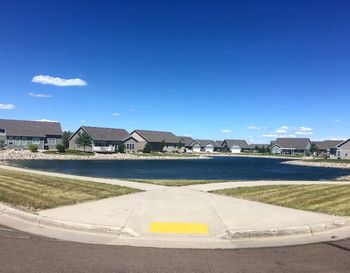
(33, 148)
(2, 144)
(147, 148)
(60, 148)
(121, 148)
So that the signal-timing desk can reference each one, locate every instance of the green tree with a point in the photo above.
(147, 148)
(65, 138)
(121, 148)
(2, 144)
(268, 149)
(33, 148)
(162, 145)
(60, 148)
(313, 148)
(84, 139)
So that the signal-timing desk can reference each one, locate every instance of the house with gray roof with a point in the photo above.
(327, 148)
(103, 139)
(343, 150)
(20, 134)
(235, 146)
(291, 146)
(159, 141)
(185, 140)
(204, 146)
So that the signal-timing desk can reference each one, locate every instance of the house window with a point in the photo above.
(36, 140)
(10, 141)
(24, 141)
(51, 141)
(17, 141)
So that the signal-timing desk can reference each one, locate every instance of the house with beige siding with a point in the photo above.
(20, 134)
(158, 141)
(343, 150)
(291, 146)
(103, 139)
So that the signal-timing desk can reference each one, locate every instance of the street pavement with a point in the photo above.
(25, 253)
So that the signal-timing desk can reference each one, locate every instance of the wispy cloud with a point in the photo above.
(46, 120)
(46, 79)
(225, 131)
(255, 128)
(305, 129)
(116, 114)
(337, 120)
(6, 106)
(36, 95)
(132, 109)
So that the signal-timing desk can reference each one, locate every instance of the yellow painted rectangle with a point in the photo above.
(181, 228)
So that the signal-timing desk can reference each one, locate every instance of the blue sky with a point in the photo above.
(209, 69)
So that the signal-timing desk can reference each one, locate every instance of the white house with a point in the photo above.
(203, 145)
(235, 146)
(343, 150)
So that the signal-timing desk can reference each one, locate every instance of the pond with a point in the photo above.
(217, 168)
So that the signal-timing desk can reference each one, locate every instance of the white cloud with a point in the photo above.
(337, 120)
(305, 129)
(46, 79)
(82, 121)
(132, 109)
(6, 106)
(46, 120)
(116, 114)
(39, 95)
(304, 133)
(280, 131)
(255, 128)
(225, 131)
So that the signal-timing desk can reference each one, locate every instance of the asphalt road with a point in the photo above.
(22, 252)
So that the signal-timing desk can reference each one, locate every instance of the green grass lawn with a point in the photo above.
(329, 199)
(166, 154)
(36, 192)
(347, 161)
(176, 182)
(70, 152)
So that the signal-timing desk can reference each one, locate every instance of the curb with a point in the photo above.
(297, 230)
(42, 221)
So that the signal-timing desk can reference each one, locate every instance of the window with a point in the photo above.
(51, 141)
(10, 141)
(36, 140)
(24, 141)
(17, 141)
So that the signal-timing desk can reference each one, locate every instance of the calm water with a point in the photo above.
(233, 168)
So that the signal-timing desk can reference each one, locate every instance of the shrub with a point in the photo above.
(60, 148)
(2, 144)
(147, 148)
(33, 148)
(121, 148)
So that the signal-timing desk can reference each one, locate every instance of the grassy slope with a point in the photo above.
(176, 182)
(330, 199)
(35, 192)
(70, 152)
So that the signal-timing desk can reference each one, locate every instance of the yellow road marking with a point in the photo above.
(183, 228)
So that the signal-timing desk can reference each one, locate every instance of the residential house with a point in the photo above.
(158, 140)
(291, 146)
(185, 140)
(103, 139)
(327, 148)
(236, 146)
(203, 145)
(20, 134)
(343, 150)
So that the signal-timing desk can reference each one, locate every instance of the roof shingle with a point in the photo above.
(29, 128)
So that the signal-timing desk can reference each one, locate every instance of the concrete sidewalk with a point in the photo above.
(226, 218)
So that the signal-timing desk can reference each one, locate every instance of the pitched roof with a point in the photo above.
(239, 142)
(327, 144)
(203, 142)
(106, 134)
(296, 143)
(185, 140)
(342, 143)
(28, 128)
(158, 136)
